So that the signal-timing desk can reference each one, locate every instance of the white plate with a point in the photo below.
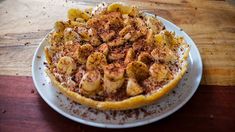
(121, 119)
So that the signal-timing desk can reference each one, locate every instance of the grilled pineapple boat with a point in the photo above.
(114, 57)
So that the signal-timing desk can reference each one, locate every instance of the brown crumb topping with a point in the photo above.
(108, 42)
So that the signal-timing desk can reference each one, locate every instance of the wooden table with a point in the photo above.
(210, 23)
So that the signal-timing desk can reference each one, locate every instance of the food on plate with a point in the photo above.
(114, 57)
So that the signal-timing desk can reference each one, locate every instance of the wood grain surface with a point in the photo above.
(22, 109)
(210, 23)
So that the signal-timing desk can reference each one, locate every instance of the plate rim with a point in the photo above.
(129, 125)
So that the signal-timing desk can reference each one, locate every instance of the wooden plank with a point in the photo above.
(210, 23)
(22, 109)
